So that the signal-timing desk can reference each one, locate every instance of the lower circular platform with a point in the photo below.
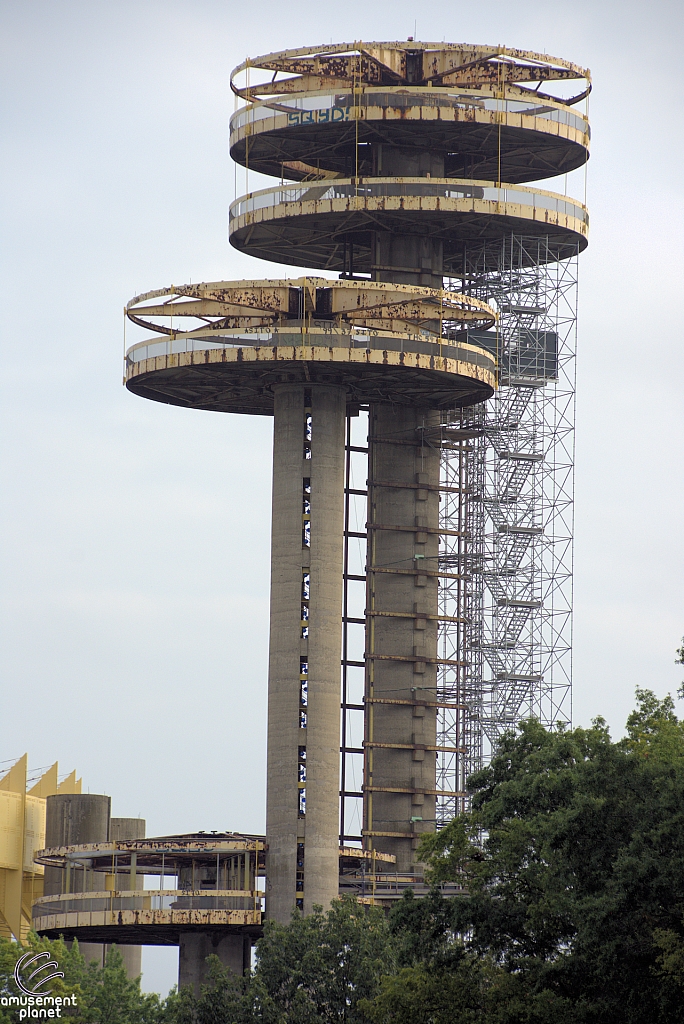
(143, 918)
(165, 917)
(225, 373)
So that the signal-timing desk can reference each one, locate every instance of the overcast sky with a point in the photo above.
(135, 536)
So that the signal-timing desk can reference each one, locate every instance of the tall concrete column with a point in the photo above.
(305, 648)
(72, 820)
(401, 631)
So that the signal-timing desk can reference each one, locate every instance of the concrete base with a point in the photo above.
(126, 829)
(72, 819)
(92, 951)
(233, 950)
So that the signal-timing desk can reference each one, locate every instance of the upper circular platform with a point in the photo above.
(309, 224)
(478, 134)
(331, 109)
(388, 343)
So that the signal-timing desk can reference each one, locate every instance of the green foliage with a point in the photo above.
(110, 997)
(223, 999)
(577, 884)
(69, 959)
(317, 968)
(104, 995)
(679, 660)
(418, 994)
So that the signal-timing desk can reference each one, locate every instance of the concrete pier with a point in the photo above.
(305, 648)
(234, 952)
(405, 258)
(401, 631)
(71, 820)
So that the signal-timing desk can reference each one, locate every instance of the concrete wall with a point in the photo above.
(401, 637)
(407, 258)
(72, 819)
(303, 740)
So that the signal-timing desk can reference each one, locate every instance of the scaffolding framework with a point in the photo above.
(459, 681)
(508, 493)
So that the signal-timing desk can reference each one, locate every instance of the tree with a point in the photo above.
(69, 959)
(111, 997)
(314, 970)
(572, 862)
(104, 995)
(318, 968)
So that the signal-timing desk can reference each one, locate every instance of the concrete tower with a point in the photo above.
(396, 155)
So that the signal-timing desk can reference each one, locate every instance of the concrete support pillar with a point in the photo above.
(234, 952)
(405, 258)
(401, 631)
(305, 648)
(71, 820)
(408, 259)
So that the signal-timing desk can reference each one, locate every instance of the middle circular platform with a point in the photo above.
(311, 224)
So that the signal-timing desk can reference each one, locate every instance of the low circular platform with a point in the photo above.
(226, 378)
(145, 917)
(312, 223)
(215, 889)
(161, 916)
(383, 343)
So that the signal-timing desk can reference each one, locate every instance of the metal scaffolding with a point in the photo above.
(459, 679)
(508, 502)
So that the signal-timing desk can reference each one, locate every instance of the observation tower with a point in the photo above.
(401, 170)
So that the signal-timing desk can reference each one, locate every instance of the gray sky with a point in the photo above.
(136, 535)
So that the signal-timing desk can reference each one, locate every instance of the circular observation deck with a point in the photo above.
(476, 135)
(315, 223)
(215, 889)
(389, 343)
(350, 109)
